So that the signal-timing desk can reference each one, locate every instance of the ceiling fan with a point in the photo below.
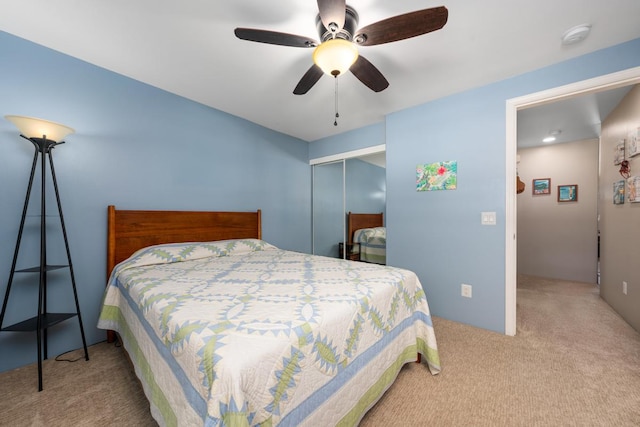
(337, 25)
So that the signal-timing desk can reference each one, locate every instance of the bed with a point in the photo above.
(368, 235)
(224, 328)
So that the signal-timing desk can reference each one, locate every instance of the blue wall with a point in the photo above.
(438, 234)
(137, 147)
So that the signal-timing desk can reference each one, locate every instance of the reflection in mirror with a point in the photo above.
(365, 185)
(355, 184)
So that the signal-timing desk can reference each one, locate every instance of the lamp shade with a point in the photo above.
(37, 128)
(335, 56)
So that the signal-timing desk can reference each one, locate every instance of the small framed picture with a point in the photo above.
(541, 186)
(618, 192)
(618, 152)
(633, 143)
(568, 193)
(633, 189)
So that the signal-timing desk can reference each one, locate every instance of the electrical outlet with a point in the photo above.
(624, 288)
(466, 290)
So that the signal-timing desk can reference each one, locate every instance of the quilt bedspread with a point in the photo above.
(243, 333)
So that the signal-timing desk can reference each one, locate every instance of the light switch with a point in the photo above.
(488, 218)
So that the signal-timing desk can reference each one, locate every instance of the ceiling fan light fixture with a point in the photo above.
(335, 56)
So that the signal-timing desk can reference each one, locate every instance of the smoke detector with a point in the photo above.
(576, 34)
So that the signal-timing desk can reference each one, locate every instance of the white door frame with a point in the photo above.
(597, 84)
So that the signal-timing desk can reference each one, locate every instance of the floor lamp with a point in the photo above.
(45, 136)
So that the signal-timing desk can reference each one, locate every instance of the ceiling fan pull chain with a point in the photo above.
(335, 122)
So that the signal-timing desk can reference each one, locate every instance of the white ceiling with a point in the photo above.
(574, 119)
(188, 48)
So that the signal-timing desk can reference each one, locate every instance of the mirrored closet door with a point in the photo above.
(328, 208)
(351, 184)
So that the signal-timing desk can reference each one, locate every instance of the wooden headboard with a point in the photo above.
(356, 221)
(130, 230)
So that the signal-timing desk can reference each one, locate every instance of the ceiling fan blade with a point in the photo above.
(368, 74)
(402, 27)
(332, 11)
(274, 37)
(307, 81)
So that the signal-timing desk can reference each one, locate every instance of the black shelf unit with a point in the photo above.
(43, 320)
(47, 319)
(37, 268)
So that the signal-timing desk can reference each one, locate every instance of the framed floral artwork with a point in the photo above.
(437, 176)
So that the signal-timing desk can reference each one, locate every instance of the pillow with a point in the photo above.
(178, 252)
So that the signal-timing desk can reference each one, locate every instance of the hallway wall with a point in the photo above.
(620, 223)
(559, 239)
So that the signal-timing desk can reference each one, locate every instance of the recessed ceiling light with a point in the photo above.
(552, 135)
(576, 34)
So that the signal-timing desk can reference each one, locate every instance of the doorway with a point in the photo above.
(609, 81)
